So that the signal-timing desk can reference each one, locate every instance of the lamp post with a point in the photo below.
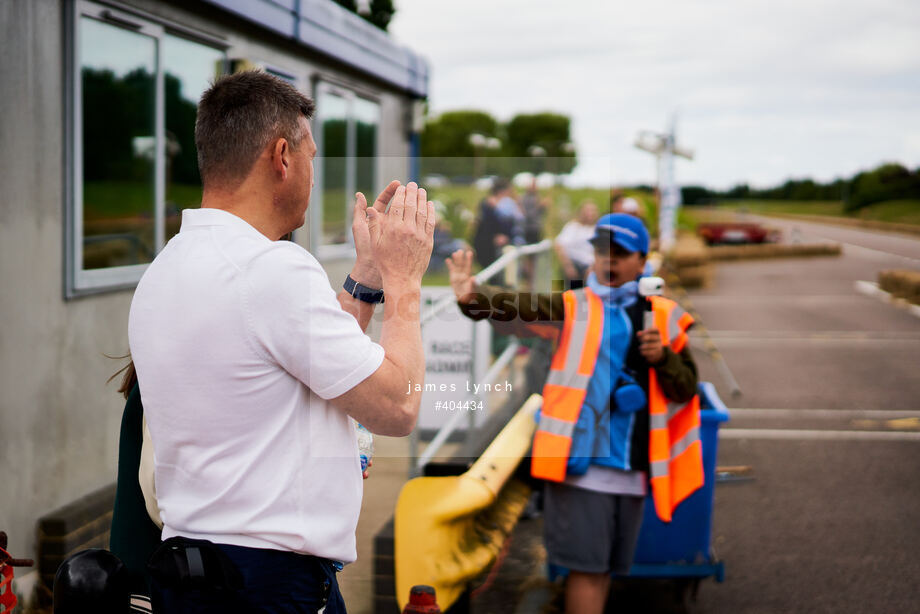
(542, 149)
(664, 148)
(480, 143)
(535, 151)
(477, 141)
(567, 148)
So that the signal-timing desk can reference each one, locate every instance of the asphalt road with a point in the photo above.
(829, 424)
(828, 427)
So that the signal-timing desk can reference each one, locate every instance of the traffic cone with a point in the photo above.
(422, 600)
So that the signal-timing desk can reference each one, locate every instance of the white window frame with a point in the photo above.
(347, 249)
(78, 281)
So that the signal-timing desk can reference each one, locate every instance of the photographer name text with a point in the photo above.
(470, 387)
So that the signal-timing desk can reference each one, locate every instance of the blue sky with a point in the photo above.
(763, 90)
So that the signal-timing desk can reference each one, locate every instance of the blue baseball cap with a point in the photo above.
(625, 230)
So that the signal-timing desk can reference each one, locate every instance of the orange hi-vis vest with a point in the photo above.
(675, 450)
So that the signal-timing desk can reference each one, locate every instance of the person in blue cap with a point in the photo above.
(592, 442)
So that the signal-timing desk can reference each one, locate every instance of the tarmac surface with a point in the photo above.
(829, 424)
(826, 436)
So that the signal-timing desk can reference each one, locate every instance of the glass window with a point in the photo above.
(348, 129)
(135, 165)
(281, 75)
(118, 72)
(189, 69)
(367, 118)
(334, 118)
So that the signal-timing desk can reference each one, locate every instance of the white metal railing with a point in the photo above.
(508, 262)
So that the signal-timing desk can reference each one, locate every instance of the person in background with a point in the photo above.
(445, 243)
(618, 396)
(628, 205)
(534, 213)
(573, 247)
(509, 208)
(493, 229)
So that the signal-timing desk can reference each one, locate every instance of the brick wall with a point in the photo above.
(83, 524)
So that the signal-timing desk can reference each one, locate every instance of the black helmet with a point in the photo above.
(93, 580)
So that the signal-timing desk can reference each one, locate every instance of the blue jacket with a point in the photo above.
(603, 435)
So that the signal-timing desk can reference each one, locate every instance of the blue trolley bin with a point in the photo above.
(682, 548)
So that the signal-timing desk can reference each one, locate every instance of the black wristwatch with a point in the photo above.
(362, 292)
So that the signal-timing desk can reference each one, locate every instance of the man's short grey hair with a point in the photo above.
(238, 116)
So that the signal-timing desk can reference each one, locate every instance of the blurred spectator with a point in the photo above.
(493, 230)
(616, 197)
(445, 243)
(629, 206)
(573, 245)
(509, 208)
(534, 214)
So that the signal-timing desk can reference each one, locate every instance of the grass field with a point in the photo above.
(894, 211)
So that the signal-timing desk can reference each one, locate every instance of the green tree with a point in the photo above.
(695, 195)
(116, 110)
(742, 190)
(887, 182)
(550, 132)
(446, 146)
(380, 14)
(180, 126)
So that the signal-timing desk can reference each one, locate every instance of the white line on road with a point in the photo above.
(814, 435)
(850, 247)
(848, 414)
(806, 340)
(898, 335)
(785, 299)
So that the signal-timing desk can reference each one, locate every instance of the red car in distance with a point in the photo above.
(736, 233)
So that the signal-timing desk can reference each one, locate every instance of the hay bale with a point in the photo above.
(688, 251)
(699, 276)
(689, 260)
(901, 283)
(773, 250)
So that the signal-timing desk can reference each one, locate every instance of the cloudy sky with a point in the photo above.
(764, 90)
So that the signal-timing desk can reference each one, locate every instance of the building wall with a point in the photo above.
(59, 421)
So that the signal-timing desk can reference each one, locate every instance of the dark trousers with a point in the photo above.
(274, 582)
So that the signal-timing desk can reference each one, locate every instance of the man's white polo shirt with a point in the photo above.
(238, 342)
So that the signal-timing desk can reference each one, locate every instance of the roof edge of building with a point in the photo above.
(326, 27)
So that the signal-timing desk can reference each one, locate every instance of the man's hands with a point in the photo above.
(401, 239)
(460, 265)
(650, 346)
(366, 271)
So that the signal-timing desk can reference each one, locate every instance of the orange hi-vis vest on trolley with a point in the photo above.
(675, 450)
